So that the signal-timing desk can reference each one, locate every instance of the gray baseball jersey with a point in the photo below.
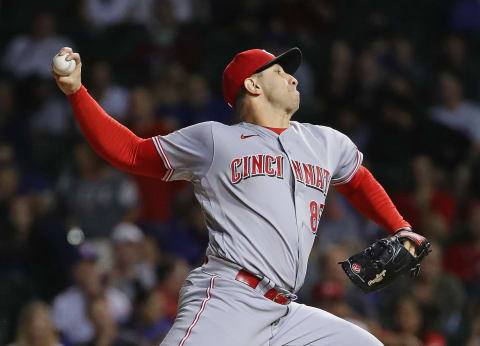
(262, 193)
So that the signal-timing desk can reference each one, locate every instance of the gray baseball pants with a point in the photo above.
(215, 309)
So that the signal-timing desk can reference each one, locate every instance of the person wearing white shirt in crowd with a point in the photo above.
(35, 50)
(129, 270)
(455, 112)
(70, 308)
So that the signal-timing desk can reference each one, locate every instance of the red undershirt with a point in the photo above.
(123, 149)
(277, 130)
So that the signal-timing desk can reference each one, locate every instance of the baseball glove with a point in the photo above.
(382, 262)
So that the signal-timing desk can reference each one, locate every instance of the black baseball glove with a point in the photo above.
(382, 262)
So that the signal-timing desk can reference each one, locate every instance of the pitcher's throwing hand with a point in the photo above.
(71, 83)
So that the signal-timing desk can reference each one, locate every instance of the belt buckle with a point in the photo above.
(281, 299)
(278, 297)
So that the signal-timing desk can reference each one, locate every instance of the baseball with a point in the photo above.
(61, 66)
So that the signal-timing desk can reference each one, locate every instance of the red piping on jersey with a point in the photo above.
(164, 156)
(370, 198)
(114, 142)
(348, 177)
(162, 152)
(199, 313)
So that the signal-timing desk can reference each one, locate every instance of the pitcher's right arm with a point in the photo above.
(111, 140)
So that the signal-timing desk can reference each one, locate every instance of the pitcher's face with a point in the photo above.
(280, 88)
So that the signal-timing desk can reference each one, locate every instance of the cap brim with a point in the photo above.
(289, 60)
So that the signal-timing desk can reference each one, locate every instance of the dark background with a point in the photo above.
(400, 78)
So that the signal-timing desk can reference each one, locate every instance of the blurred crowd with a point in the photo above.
(92, 256)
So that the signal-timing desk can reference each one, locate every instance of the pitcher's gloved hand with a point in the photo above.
(382, 262)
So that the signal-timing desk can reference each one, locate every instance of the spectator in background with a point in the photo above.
(430, 207)
(439, 295)
(454, 54)
(163, 27)
(474, 339)
(49, 115)
(155, 195)
(167, 92)
(151, 323)
(404, 62)
(150, 252)
(16, 232)
(348, 122)
(454, 111)
(338, 83)
(330, 296)
(409, 329)
(200, 105)
(169, 286)
(104, 325)
(338, 229)
(436, 297)
(101, 14)
(112, 97)
(36, 50)
(340, 223)
(34, 327)
(30, 254)
(9, 178)
(106, 329)
(97, 197)
(186, 236)
(142, 118)
(462, 258)
(16, 285)
(463, 116)
(12, 128)
(456, 57)
(191, 10)
(129, 272)
(70, 307)
(331, 280)
(142, 11)
(395, 139)
(368, 83)
(49, 122)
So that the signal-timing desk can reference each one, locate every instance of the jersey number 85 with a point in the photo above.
(316, 211)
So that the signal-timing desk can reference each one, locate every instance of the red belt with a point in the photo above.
(252, 281)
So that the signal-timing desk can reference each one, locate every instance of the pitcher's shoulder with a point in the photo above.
(219, 127)
(206, 126)
(312, 128)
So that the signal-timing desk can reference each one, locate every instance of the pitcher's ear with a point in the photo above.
(251, 86)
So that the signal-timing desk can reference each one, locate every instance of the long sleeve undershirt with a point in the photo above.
(114, 142)
(366, 194)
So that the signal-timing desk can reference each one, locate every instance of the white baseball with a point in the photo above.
(61, 66)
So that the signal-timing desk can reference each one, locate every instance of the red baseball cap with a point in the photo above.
(246, 63)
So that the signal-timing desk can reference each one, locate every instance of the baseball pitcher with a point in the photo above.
(262, 184)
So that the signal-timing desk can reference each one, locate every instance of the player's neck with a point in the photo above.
(267, 116)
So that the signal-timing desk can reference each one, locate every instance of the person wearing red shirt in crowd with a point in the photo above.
(155, 195)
